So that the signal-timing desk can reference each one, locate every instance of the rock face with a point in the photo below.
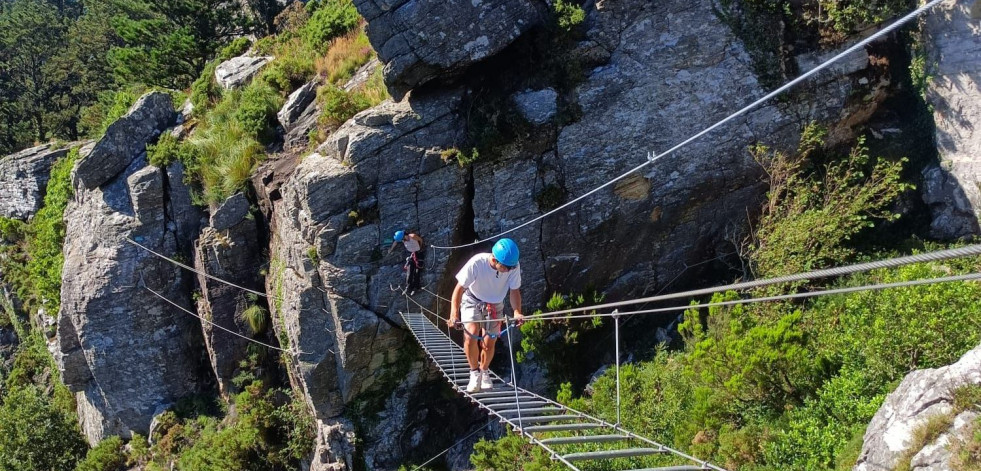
(299, 115)
(126, 353)
(229, 249)
(419, 40)
(23, 179)
(237, 71)
(921, 395)
(953, 189)
(380, 172)
(125, 139)
(537, 106)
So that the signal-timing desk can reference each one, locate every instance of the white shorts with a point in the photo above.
(472, 310)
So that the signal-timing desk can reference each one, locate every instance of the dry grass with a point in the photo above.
(924, 435)
(345, 55)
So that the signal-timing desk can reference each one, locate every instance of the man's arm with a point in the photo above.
(516, 303)
(455, 305)
(392, 247)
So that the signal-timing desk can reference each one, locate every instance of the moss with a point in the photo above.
(550, 197)
(924, 435)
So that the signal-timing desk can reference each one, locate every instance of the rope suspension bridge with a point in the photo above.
(578, 439)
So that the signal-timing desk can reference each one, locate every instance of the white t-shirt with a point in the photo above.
(486, 283)
(411, 245)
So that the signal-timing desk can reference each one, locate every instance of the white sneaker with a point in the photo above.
(486, 382)
(474, 384)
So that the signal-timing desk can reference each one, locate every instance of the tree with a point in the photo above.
(31, 34)
(36, 435)
(168, 43)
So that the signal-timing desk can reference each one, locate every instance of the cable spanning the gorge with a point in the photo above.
(654, 158)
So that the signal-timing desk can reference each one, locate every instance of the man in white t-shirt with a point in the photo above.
(482, 285)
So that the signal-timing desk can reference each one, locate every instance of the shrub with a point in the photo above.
(256, 111)
(106, 456)
(256, 317)
(338, 106)
(36, 435)
(167, 150)
(234, 49)
(568, 14)
(809, 217)
(293, 66)
(205, 91)
(328, 20)
(556, 343)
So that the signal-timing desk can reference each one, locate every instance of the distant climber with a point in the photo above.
(481, 287)
(413, 263)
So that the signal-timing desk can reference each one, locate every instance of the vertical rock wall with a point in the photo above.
(952, 37)
(126, 353)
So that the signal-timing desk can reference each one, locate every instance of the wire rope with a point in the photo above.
(651, 159)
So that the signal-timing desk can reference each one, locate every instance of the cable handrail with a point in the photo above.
(653, 158)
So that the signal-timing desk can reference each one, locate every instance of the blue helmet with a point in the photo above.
(506, 252)
(399, 235)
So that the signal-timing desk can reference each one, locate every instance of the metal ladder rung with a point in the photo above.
(610, 454)
(585, 439)
(494, 393)
(530, 410)
(686, 467)
(548, 418)
(524, 405)
(500, 400)
(559, 428)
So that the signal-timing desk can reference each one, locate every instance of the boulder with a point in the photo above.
(124, 351)
(419, 40)
(299, 115)
(953, 45)
(231, 212)
(361, 76)
(231, 254)
(296, 103)
(125, 140)
(921, 395)
(24, 179)
(238, 71)
(537, 106)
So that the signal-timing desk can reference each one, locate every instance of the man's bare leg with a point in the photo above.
(487, 353)
(471, 345)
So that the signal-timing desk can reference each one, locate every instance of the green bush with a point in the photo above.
(568, 14)
(264, 434)
(292, 67)
(557, 343)
(166, 151)
(256, 111)
(205, 91)
(328, 20)
(811, 215)
(339, 106)
(234, 49)
(108, 455)
(35, 435)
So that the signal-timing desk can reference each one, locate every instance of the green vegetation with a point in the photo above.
(257, 318)
(32, 260)
(266, 429)
(35, 435)
(789, 385)
(812, 212)
(328, 20)
(65, 62)
(108, 455)
(559, 344)
(568, 14)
